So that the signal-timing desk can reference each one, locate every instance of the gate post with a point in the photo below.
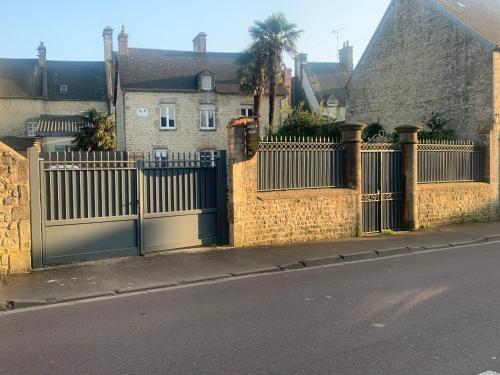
(409, 145)
(352, 139)
(35, 207)
(139, 165)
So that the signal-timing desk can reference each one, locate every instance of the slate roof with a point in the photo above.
(327, 79)
(86, 80)
(481, 16)
(58, 126)
(164, 70)
(19, 144)
(22, 78)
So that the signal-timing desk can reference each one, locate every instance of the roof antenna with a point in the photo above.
(337, 33)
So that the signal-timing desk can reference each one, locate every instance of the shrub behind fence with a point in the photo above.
(449, 161)
(287, 163)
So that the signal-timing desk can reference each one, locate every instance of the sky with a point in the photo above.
(72, 29)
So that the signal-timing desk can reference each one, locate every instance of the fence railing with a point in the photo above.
(449, 161)
(287, 163)
(96, 185)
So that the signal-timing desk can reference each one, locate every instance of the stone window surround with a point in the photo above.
(168, 105)
(205, 105)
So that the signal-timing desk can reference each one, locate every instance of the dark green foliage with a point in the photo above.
(100, 136)
(303, 123)
(372, 130)
(436, 128)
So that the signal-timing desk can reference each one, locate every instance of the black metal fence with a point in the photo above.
(287, 163)
(449, 161)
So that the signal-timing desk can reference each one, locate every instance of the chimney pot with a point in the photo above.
(200, 43)
(123, 42)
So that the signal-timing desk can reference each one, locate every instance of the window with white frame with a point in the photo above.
(246, 111)
(160, 154)
(31, 128)
(207, 116)
(206, 82)
(167, 116)
(207, 157)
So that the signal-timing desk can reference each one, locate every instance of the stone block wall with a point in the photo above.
(420, 61)
(136, 134)
(452, 203)
(15, 240)
(269, 218)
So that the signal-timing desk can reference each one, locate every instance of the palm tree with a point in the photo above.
(97, 132)
(275, 35)
(252, 75)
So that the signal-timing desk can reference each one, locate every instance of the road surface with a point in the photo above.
(434, 313)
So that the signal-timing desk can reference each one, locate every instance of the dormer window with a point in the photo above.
(63, 88)
(206, 83)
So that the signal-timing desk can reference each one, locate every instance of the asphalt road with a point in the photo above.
(436, 313)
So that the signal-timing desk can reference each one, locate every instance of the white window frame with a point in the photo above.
(160, 154)
(211, 160)
(205, 110)
(206, 82)
(247, 108)
(63, 89)
(31, 128)
(169, 108)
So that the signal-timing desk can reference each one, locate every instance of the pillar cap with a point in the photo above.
(353, 126)
(409, 128)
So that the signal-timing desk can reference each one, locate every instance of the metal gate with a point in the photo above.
(382, 187)
(97, 206)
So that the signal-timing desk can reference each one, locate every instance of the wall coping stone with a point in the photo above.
(304, 193)
(453, 185)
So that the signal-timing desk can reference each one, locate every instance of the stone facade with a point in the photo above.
(451, 203)
(15, 240)
(137, 134)
(421, 60)
(271, 218)
(15, 112)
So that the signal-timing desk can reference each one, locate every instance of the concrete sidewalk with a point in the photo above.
(124, 275)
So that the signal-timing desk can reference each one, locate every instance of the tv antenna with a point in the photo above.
(337, 33)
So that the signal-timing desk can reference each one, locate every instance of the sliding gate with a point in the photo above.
(99, 206)
(382, 187)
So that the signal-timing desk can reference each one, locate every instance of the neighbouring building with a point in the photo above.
(178, 101)
(321, 85)
(40, 98)
(431, 56)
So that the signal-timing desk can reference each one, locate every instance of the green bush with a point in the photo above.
(436, 128)
(303, 123)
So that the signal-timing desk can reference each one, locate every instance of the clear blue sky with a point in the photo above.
(72, 29)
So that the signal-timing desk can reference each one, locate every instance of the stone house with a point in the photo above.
(177, 101)
(41, 99)
(431, 56)
(321, 85)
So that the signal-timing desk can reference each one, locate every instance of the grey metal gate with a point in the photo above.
(382, 187)
(84, 209)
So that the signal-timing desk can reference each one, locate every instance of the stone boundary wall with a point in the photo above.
(271, 218)
(452, 203)
(15, 240)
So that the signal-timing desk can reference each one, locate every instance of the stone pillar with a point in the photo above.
(490, 139)
(409, 144)
(236, 154)
(352, 139)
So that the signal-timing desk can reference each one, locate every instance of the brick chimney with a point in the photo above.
(346, 56)
(300, 60)
(107, 35)
(42, 65)
(42, 55)
(123, 42)
(200, 43)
